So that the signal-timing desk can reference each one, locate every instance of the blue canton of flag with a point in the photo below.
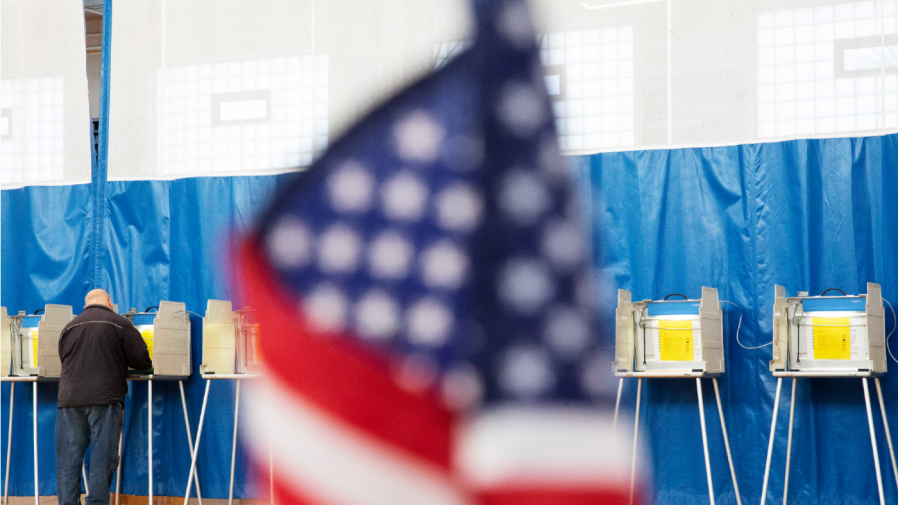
(441, 236)
(444, 227)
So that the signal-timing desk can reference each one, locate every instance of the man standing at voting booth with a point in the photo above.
(96, 349)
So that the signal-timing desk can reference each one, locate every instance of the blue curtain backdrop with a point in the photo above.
(806, 214)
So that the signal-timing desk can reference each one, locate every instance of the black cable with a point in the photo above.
(38, 311)
(834, 289)
(675, 294)
(153, 307)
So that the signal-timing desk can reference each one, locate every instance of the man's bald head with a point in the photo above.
(98, 297)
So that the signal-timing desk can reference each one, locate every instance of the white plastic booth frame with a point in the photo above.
(851, 343)
(671, 339)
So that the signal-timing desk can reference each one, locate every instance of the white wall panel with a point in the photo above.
(623, 74)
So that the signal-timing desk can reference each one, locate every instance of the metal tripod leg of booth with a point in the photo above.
(150, 439)
(885, 423)
(118, 473)
(776, 404)
(12, 396)
(635, 440)
(726, 443)
(701, 415)
(34, 411)
(789, 441)
(234, 443)
(882, 497)
(196, 476)
(620, 388)
(118, 478)
(196, 446)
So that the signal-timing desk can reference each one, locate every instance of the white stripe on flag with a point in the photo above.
(544, 447)
(321, 458)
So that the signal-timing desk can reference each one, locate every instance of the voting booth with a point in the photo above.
(676, 337)
(230, 352)
(249, 359)
(30, 353)
(167, 335)
(166, 330)
(230, 340)
(35, 342)
(22, 340)
(828, 336)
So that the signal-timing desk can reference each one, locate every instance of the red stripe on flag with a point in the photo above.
(561, 496)
(342, 378)
(288, 496)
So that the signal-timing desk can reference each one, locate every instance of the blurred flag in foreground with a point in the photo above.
(422, 291)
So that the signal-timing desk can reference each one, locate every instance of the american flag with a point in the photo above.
(422, 294)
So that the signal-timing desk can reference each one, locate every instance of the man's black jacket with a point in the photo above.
(96, 349)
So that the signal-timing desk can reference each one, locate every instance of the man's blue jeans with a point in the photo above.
(76, 427)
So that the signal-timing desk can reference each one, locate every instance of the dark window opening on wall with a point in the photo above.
(96, 130)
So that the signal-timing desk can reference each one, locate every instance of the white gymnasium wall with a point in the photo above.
(45, 127)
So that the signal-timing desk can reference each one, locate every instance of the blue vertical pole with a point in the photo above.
(99, 176)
